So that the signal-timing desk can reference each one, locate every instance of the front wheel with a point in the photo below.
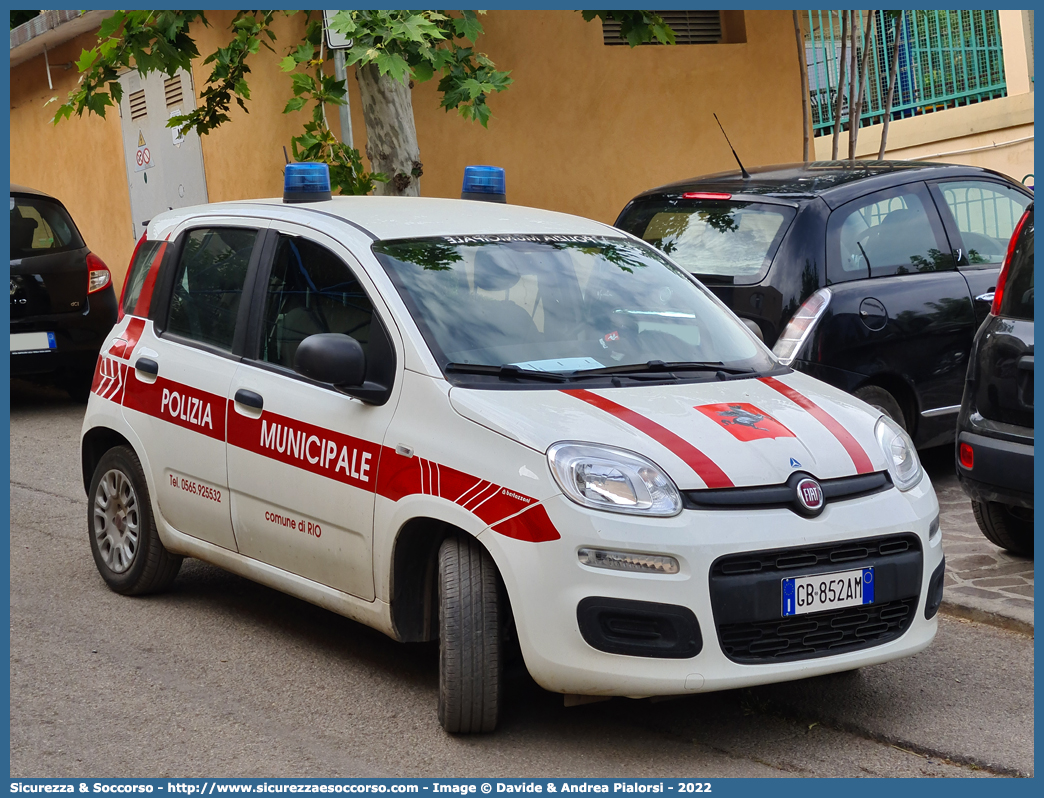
(881, 399)
(124, 540)
(471, 652)
(1010, 528)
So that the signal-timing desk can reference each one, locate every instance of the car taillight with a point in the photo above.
(97, 273)
(998, 293)
(123, 293)
(800, 326)
(967, 455)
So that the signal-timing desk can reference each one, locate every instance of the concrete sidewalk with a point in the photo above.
(983, 582)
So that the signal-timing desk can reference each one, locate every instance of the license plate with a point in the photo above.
(33, 342)
(802, 594)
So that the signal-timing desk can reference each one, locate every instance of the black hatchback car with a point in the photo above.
(62, 300)
(995, 425)
(868, 275)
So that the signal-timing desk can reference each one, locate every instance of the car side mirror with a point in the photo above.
(333, 358)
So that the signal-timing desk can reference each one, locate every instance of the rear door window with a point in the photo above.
(209, 283)
(896, 231)
(985, 215)
(722, 241)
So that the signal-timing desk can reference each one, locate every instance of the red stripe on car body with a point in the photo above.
(177, 404)
(859, 457)
(325, 452)
(705, 468)
(343, 458)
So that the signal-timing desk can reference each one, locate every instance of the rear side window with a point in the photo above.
(208, 285)
(40, 226)
(733, 241)
(141, 277)
(891, 232)
(1017, 301)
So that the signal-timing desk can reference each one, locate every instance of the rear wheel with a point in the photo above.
(1009, 527)
(471, 651)
(78, 385)
(124, 540)
(878, 397)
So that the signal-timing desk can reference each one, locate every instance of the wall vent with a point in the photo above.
(690, 27)
(172, 91)
(137, 104)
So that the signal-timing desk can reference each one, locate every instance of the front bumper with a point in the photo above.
(546, 584)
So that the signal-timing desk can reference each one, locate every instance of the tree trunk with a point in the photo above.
(803, 68)
(840, 84)
(893, 73)
(857, 113)
(391, 135)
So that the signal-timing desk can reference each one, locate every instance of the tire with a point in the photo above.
(122, 530)
(1010, 528)
(878, 397)
(78, 386)
(471, 650)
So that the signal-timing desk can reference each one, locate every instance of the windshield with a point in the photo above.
(715, 239)
(562, 305)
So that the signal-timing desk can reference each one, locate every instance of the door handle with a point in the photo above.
(147, 366)
(250, 399)
(987, 297)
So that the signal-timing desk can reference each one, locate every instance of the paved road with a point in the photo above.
(224, 677)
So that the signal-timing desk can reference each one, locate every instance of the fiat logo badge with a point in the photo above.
(810, 495)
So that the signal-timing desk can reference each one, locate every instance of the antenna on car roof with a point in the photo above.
(286, 156)
(744, 172)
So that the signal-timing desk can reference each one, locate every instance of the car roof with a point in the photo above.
(16, 189)
(409, 217)
(834, 181)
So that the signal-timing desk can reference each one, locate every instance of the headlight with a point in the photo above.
(899, 452)
(607, 478)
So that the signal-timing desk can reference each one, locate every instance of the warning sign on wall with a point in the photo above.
(142, 157)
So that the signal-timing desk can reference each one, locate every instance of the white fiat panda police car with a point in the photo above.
(518, 432)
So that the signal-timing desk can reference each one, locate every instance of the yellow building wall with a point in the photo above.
(80, 161)
(583, 129)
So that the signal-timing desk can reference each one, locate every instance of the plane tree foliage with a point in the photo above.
(391, 51)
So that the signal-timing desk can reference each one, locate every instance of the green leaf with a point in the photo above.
(295, 104)
(242, 89)
(288, 64)
(468, 26)
(87, 59)
(393, 64)
(423, 71)
(110, 24)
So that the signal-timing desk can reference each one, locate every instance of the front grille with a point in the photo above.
(765, 497)
(827, 554)
(746, 596)
(817, 635)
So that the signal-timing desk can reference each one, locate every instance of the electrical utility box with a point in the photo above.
(164, 170)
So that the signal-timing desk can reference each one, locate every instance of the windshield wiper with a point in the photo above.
(659, 366)
(505, 371)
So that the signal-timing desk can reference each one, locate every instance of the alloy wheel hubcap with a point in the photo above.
(116, 521)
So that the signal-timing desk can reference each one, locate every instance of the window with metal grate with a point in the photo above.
(690, 27)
